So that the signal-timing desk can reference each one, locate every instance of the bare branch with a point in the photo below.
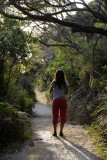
(55, 45)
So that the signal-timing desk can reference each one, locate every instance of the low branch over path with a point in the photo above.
(76, 145)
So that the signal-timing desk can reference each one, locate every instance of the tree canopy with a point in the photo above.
(58, 12)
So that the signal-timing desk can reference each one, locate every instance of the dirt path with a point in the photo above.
(76, 145)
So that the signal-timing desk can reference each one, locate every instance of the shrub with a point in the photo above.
(20, 98)
(13, 93)
(25, 102)
(26, 84)
(12, 127)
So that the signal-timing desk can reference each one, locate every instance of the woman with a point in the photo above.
(59, 87)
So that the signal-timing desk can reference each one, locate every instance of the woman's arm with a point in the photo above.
(51, 90)
(66, 90)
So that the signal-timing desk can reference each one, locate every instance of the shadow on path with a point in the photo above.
(80, 152)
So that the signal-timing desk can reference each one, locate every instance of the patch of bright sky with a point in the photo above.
(86, 1)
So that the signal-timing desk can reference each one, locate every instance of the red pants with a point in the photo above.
(59, 105)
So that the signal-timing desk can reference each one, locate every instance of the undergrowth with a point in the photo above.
(96, 133)
(14, 128)
(11, 148)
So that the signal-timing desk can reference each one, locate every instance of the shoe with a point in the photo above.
(61, 134)
(55, 134)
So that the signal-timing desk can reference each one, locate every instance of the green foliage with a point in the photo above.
(100, 112)
(27, 84)
(6, 110)
(14, 57)
(13, 39)
(25, 102)
(98, 133)
(23, 115)
(11, 148)
(13, 93)
(63, 60)
(98, 128)
(27, 135)
(12, 127)
(94, 83)
(34, 40)
(13, 51)
(21, 98)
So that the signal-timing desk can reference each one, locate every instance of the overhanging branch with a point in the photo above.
(48, 17)
(58, 45)
(13, 16)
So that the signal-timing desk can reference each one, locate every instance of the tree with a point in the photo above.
(55, 12)
(13, 51)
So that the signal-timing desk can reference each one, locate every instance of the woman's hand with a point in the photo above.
(52, 90)
(66, 90)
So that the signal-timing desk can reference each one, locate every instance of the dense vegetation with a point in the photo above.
(16, 82)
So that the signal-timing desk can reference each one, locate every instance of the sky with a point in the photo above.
(87, 1)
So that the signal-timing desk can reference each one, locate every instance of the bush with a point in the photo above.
(12, 127)
(98, 128)
(13, 93)
(26, 84)
(20, 98)
(25, 102)
(99, 134)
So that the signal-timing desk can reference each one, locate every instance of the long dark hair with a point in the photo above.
(59, 79)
